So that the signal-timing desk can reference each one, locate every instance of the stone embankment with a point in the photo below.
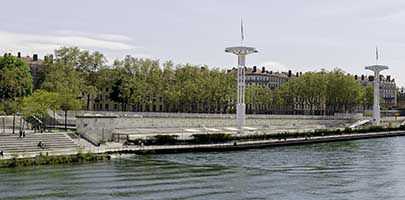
(160, 149)
(93, 153)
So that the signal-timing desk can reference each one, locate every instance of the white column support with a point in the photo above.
(376, 103)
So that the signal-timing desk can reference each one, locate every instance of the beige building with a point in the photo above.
(36, 68)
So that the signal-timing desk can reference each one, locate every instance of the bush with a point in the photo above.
(211, 138)
(165, 139)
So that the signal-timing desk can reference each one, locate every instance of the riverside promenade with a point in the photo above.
(238, 145)
(73, 146)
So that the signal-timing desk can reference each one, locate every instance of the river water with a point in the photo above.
(362, 169)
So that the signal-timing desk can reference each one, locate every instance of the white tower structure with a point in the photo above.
(241, 52)
(376, 105)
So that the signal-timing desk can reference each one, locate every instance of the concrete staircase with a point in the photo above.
(56, 143)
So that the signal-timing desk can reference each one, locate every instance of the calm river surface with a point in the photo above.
(363, 169)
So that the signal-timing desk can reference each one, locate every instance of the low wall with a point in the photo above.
(73, 114)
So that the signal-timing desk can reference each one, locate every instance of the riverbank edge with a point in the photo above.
(108, 154)
(243, 145)
(54, 159)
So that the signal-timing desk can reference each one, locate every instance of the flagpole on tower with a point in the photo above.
(376, 55)
(241, 32)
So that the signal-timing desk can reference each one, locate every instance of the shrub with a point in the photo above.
(213, 137)
(165, 139)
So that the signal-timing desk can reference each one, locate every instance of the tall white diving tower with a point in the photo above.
(241, 52)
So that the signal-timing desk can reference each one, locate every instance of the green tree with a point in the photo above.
(257, 97)
(64, 79)
(87, 63)
(15, 77)
(331, 91)
(39, 102)
(15, 82)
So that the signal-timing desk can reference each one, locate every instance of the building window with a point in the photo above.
(115, 106)
(106, 106)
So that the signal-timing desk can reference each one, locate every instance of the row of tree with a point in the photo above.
(74, 78)
(324, 93)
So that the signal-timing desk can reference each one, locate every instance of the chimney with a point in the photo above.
(18, 54)
(355, 77)
(289, 73)
(362, 77)
(263, 70)
(254, 69)
(388, 78)
(35, 57)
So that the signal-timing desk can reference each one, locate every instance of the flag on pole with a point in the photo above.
(376, 53)
(241, 29)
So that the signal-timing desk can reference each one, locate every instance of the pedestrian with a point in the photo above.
(1, 153)
(20, 133)
(23, 133)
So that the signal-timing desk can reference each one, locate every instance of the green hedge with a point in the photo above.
(211, 138)
(165, 139)
(226, 137)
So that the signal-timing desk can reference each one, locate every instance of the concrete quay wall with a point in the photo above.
(101, 128)
(230, 146)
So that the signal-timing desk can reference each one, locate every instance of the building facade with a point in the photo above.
(37, 68)
(268, 79)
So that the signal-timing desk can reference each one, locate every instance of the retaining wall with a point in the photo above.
(101, 128)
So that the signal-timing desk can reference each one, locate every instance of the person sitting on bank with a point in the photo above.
(125, 144)
(141, 145)
(41, 145)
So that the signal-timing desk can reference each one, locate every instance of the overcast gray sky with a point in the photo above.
(301, 35)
